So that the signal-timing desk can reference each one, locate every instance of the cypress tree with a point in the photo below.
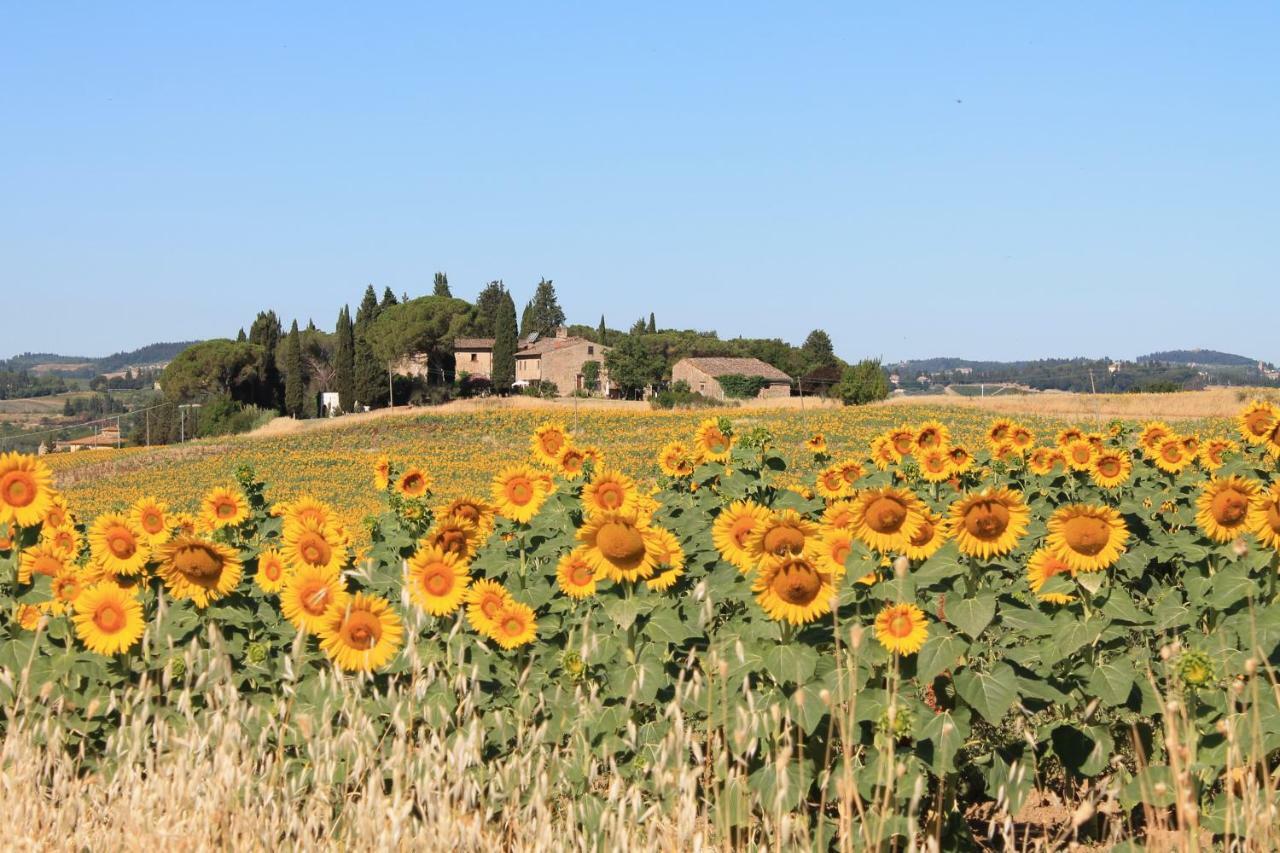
(369, 378)
(504, 346)
(602, 332)
(442, 286)
(526, 321)
(653, 326)
(265, 332)
(344, 357)
(544, 314)
(242, 337)
(388, 299)
(293, 381)
(488, 305)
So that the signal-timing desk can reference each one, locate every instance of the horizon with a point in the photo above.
(923, 181)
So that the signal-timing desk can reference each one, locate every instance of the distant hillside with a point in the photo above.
(86, 367)
(1198, 356)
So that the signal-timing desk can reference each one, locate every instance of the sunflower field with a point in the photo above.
(775, 643)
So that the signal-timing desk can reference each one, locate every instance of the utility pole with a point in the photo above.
(148, 414)
(117, 432)
(391, 393)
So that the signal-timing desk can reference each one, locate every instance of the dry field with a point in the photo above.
(1210, 403)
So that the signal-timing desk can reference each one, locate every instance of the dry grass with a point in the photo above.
(1210, 403)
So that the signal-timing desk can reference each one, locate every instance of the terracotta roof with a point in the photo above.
(481, 343)
(551, 344)
(718, 366)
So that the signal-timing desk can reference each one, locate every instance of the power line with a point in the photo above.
(105, 420)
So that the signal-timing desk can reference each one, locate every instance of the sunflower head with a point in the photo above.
(413, 483)
(1043, 565)
(485, 600)
(989, 523)
(886, 518)
(619, 547)
(932, 435)
(676, 459)
(609, 491)
(574, 574)
(930, 536)
(26, 490)
(515, 625)
(323, 547)
(713, 441)
(1079, 454)
(1171, 455)
(117, 545)
(1043, 460)
(547, 441)
(816, 443)
(382, 473)
(1068, 435)
(456, 535)
(903, 440)
(782, 533)
(732, 529)
(272, 571)
(1214, 452)
(670, 560)
(57, 515)
(1087, 537)
(150, 517)
(308, 594)
(1111, 468)
(794, 588)
(999, 432)
(363, 635)
(883, 454)
(437, 580)
(108, 620)
(469, 509)
(935, 464)
(961, 459)
(44, 558)
(518, 493)
(223, 507)
(1265, 518)
(1225, 507)
(1195, 669)
(901, 628)
(570, 461)
(308, 512)
(1257, 421)
(199, 570)
(831, 484)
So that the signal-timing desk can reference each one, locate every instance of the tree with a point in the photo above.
(633, 364)
(265, 332)
(591, 375)
(388, 299)
(864, 382)
(488, 305)
(369, 375)
(653, 325)
(504, 346)
(526, 320)
(426, 327)
(817, 352)
(214, 367)
(639, 327)
(242, 337)
(602, 332)
(543, 314)
(345, 361)
(294, 383)
(441, 286)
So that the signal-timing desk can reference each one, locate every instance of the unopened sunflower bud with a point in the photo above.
(901, 566)
(1251, 667)
(824, 695)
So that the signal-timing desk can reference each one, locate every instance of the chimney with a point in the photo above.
(562, 332)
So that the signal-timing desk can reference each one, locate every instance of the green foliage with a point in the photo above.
(440, 286)
(503, 373)
(265, 332)
(543, 314)
(739, 387)
(864, 382)
(591, 374)
(426, 327)
(488, 305)
(214, 367)
(817, 352)
(294, 381)
(345, 361)
(634, 363)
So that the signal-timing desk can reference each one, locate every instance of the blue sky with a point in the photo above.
(979, 180)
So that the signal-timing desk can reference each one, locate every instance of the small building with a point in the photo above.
(703, 375)
(108, 438)
(561, 360)
(330, 404)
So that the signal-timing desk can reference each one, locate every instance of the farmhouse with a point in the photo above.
(107, 439)
(703, 375)
(560, 360)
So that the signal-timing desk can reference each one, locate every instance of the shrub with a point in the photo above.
(739, 387)
(864, 382)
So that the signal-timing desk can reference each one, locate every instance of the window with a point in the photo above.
(591, 350)
(475, 357)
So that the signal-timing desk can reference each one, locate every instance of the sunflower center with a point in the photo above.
(901, 625)
(580, 574)
(18, 488)
(152, 522)
(924, 535)
(437, 581)
(620, 543)
(610, 496)
(936, 464)
(987, 520)
(902, 444)
(886, 515)
(840, 552)
(272, 569)
(197, 561)
(797, 584)
(1086, 534)
(552, 442)
(1171, 451)
(490, 606)
(1273, 516)
(225, 509)
(520, 491)
(833, 480)
(121, 544)
(452, 540)
(842, 519)
(929, 438)
(1258, 423)
(363, 630)
(315, 550)
(1080, 453)
(315, 600)
(717, 443)
(783, 539)
(109, 617)
(512, 626)
(1230, 507)
(1109, 466)
(413, 483)
(742, 530)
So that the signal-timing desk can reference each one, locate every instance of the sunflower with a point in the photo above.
(382, 473)
(1021, 437)
(1225, 505)
(794, 588)
(887, 518)
(569, 462)
(66, 588)
(1264, 519)
(25, 489)
(1111, 469)
(514, 626)
(308, 512)
(1068, 435)
(469, 509)
(1171, 455)
(782, 532)
(185, 523)
(437, 580)
(901, 628)
(574, 574)
(817, 443)
(57, 515)
(883, 454)
(712, 442)
(670, 560)
(851, 470)
(961, 459)
(518, 493)
(1043, 460)
(609, 491)
(312, 545)
(675, 459)
(732, 529)
(223, 507)
(935, 465)
(999, 431)
(1043, 565)
(1273, 442)
(1152, 433)
(989, 523)
(362, 635)
(839, 515)
(28, 616)
(903, 440)
(831, 484)
(485, 600)
(932, 435)
(831, 550)
(1212, 454)
(108, 620)
(150, 518)
(928, 538)
(9, 532)
(1006, 451)
(272, 571)
(1256, 422)
(619, 547)
(308, 594)
(43, 559)
(199, 570)
(117, 545)
(1087, 537)
(65, 539)
(1079, 454)
(547, 441)
(454, 535)
(413, 483)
